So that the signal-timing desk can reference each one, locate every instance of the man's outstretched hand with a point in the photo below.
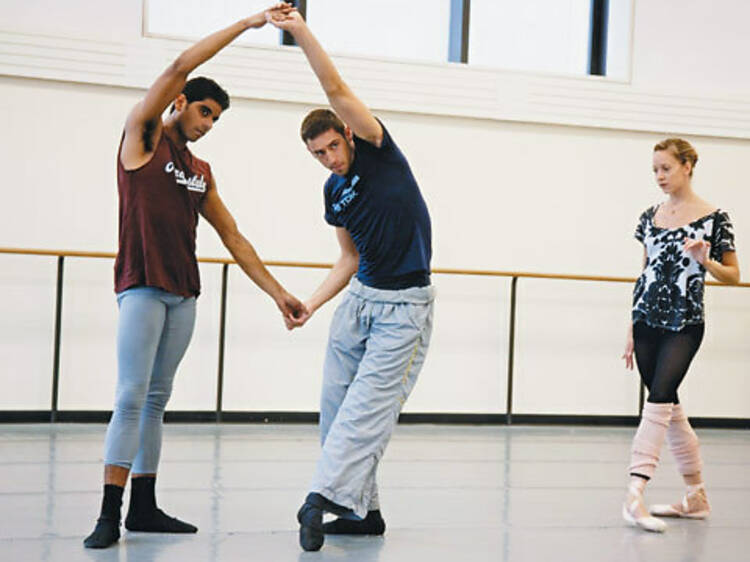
(295, 313)
(299, 321)
(260, 19)
(286, 20)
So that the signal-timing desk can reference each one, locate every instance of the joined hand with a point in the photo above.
(286, 20)
(277, 10)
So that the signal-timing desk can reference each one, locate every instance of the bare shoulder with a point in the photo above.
(704, 207)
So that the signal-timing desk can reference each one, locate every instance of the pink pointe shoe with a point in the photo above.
(630, 513)
(693, 506)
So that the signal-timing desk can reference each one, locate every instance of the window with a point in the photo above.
(382, 28)
(193, 19)
(619, 31)
(574, 37)
(538, 36)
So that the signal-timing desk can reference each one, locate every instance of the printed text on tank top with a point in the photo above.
(193, 183)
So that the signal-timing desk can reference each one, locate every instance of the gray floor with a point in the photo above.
(453, 493)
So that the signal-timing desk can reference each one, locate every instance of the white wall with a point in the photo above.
(503, 195)
(692, 45)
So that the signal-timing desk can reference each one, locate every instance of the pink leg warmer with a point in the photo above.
(648, 440)
(683, 442)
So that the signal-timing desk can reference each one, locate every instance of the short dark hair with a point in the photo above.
(318, 122)
(201, 88)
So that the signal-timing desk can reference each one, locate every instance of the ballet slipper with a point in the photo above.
(630, 514)
(694, 505)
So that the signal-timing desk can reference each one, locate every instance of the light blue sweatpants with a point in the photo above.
(377, 345)
(153, 332)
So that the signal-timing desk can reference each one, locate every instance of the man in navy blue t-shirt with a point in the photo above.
(380, 331)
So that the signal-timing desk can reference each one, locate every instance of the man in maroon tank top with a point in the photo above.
(162, 189)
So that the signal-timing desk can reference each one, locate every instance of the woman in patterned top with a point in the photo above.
(683, 237)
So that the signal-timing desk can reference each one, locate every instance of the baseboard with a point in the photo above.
(206, 416)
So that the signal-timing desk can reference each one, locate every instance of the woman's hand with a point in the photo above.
(698, 250)
(628, 355)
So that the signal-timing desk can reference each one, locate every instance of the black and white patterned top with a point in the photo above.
(669, 292)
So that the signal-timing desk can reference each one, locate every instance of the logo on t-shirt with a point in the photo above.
(347, 196)
(193, 183)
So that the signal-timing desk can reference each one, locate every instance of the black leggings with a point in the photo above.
(663, 358)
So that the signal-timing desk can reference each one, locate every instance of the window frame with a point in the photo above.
(459, 30)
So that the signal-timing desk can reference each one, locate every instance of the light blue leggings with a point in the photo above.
(153, 332)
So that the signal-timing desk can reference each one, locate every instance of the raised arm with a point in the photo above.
(349, 107)
(216, 213)
(143, 124)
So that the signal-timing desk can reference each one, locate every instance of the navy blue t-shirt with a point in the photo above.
(379, 203)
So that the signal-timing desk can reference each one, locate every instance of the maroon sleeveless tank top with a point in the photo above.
(159, 204)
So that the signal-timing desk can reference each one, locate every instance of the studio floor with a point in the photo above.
(449, 493)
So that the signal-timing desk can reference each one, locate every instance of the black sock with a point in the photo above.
(373, 524)
(314, 498)
(310, 517)
(143, 515)
(107, 530)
